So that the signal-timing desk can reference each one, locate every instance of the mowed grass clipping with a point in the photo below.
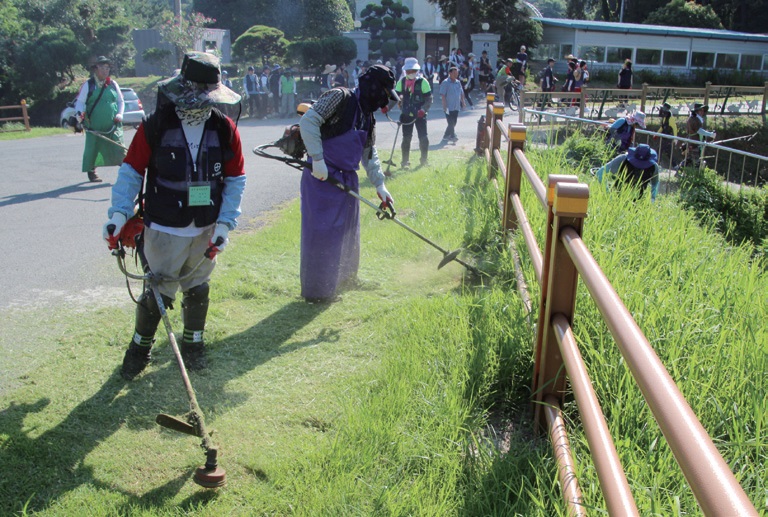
(411, 395)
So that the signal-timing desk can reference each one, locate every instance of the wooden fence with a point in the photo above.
(24, 115)
(557, 360)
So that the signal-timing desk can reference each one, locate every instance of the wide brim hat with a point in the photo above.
(198, 83)
(411, 63)
(100, 60)
(699, 106)
(638, 118)
(329, 69)
(443, 58)
(641, 156)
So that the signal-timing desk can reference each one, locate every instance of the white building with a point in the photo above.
(652, 47)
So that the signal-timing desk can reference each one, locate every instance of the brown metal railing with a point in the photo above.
(557, 360)
(24, 116)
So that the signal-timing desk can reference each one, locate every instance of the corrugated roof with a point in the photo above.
(658, 30)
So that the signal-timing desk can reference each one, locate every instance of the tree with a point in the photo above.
(296, 18)
(259, 43)
(326, 18)
(504, 17)
(682, 13)
(48, 61)
(314, 54)
(184, 33)
(551, 8)
(391, 34)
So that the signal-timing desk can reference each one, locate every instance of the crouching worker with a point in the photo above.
(637, 168)
(621, 134)
(189, 155)
(339, 132)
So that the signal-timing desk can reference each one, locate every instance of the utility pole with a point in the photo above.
(621, 12)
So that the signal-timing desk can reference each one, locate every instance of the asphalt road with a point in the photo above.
(52, 216)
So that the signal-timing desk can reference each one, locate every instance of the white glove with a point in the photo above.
(118, 118)
(219, 240)
(447, 112)
(319, 169)
(117, 221)
(384, 194)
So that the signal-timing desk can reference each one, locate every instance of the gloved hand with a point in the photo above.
(319, 169)
(118, 118)
(218, 241)
(80, 116)
(384, 194)
(421, 114)
(115, 224)
(447, 112)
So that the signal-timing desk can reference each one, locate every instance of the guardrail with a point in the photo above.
(734, 165)
(557, 359)
(604, 103)
(24, 116)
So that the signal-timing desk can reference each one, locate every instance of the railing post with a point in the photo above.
(567, 200)
(521, 107)
(765, 100)
(643, 97)
(707, 87)
(517, 133)
(25, 114)
(498, 114)
(582, 100)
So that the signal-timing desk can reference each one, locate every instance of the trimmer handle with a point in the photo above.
(209, 253)
(386, 211)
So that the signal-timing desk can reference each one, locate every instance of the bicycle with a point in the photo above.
(512, 93)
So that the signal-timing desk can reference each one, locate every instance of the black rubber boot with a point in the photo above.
(136, 358)
(138, 355)
(424, 148)
(194, 313)
(405, 149)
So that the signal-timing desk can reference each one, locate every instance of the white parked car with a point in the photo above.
(132, 114)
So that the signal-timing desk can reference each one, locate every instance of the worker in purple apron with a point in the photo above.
(339, 132)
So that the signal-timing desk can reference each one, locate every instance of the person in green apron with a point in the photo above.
(100, 107)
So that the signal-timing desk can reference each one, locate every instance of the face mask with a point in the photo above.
(194, 117)
(411, 76)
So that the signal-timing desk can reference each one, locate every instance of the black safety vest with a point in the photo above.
(172, 170)
(413, 101)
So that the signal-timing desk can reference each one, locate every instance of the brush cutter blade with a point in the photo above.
(210, 478)
(448, 257)
(176, 424)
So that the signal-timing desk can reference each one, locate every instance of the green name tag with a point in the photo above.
(199, 195)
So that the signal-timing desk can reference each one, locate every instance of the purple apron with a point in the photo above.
(330, 218)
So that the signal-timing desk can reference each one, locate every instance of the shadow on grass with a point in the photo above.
(40, 468)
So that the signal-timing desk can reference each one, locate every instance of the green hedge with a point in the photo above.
(740, 213)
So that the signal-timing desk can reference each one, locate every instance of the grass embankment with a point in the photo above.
(377, 405)
(16, 131)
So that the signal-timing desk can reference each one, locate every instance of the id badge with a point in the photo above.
(199, 194)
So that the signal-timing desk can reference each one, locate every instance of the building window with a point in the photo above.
(543, 52)
(618, 54)
(702, 60)
(727, 60)
(675, 58)
(750, 62)
(592, 54)
(647, 56)
(565, 50)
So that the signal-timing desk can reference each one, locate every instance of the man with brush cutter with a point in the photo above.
(189, 154)
(339, 132)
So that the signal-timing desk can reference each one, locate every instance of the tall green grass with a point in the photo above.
(411, 395)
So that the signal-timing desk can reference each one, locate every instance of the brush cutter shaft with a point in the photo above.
(196, 412)
(101, 135)
(386, 215)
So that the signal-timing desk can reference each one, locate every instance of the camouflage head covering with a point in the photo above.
(198, 83)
